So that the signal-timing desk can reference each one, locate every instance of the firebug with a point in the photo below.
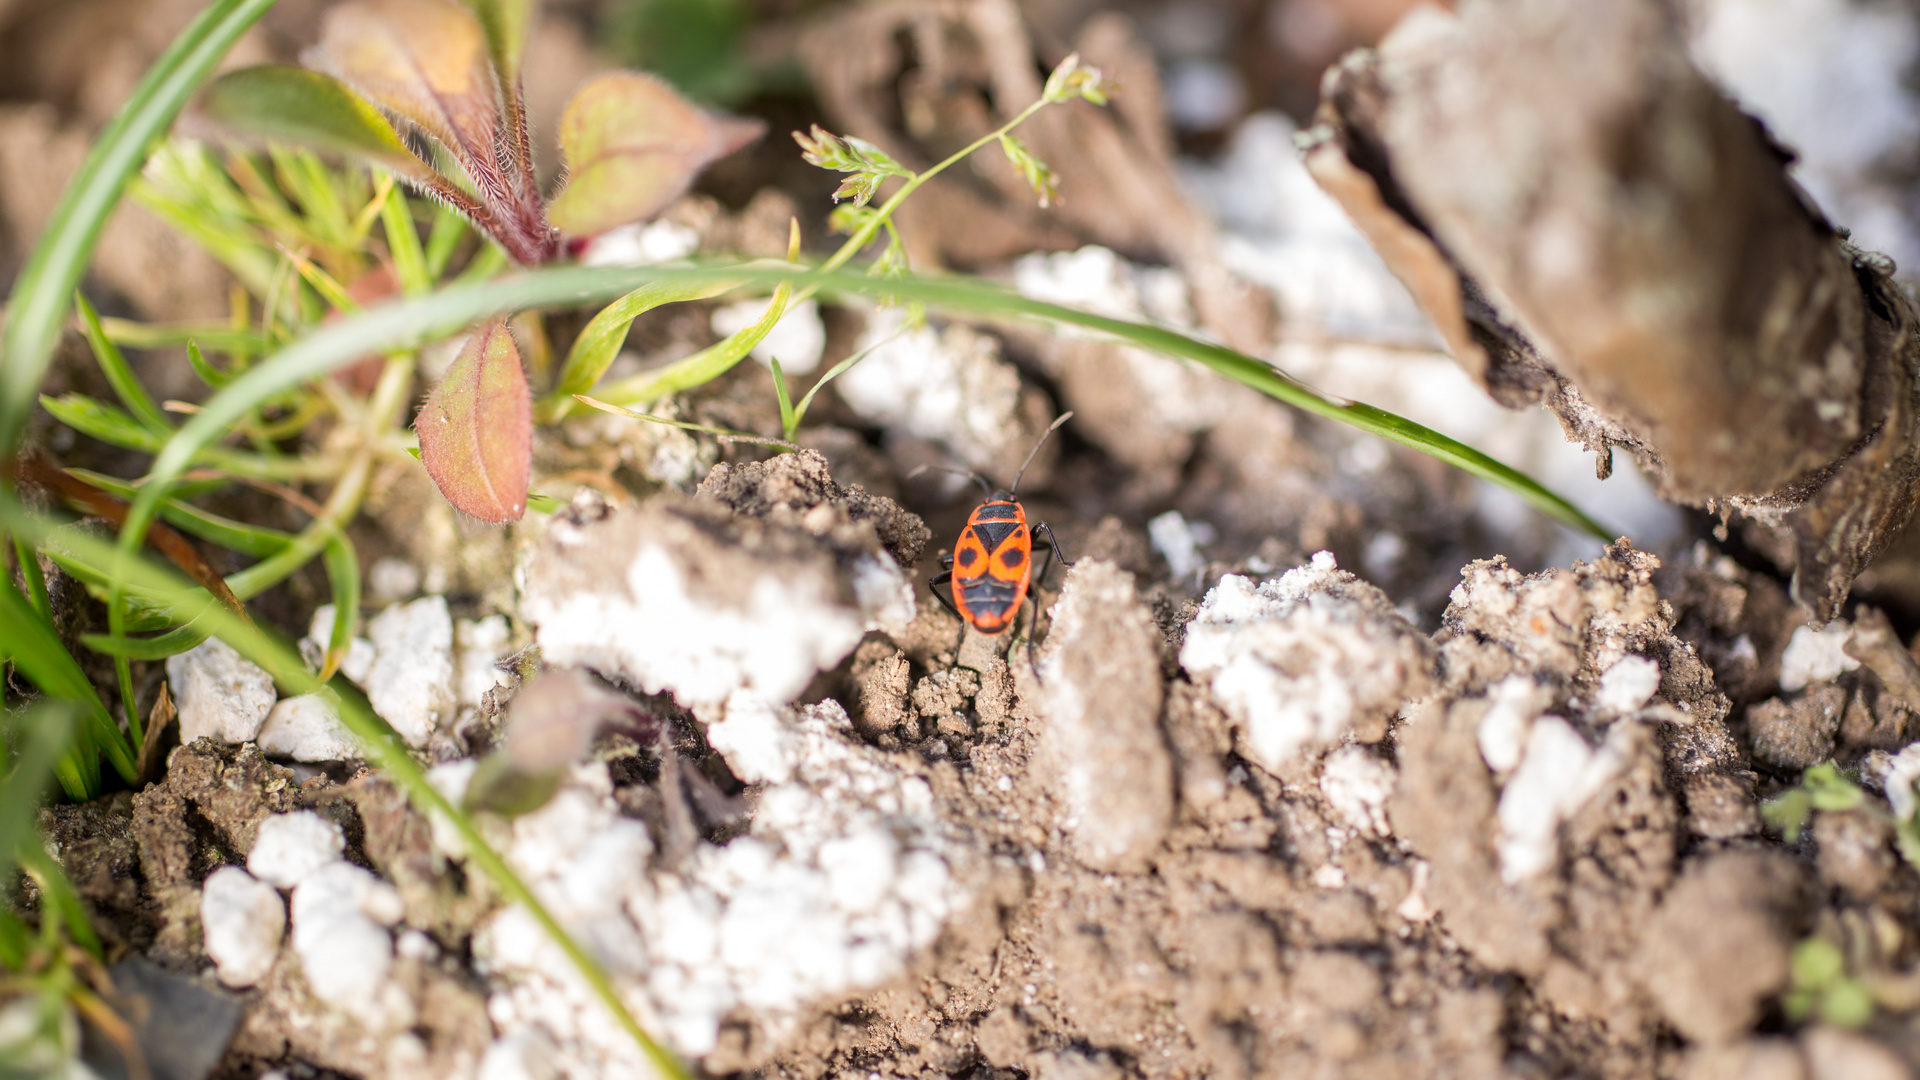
(991, 565)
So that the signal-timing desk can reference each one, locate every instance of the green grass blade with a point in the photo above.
(789, 422)
(702, 367)
(172, 643)
(404, 324)
(403, 242)
(120, 376)
(210, 375)
(108, 423)
(448, 228)
(36, 580)
(49, 728)
(384, 751)
(602, 337)
(256, 541)
(343, 574)
(38, 303)
(59, 898)
(839, 369)
(220, 336)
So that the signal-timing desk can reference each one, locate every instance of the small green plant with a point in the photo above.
(1822, 986)
(449, 73)
(1823, 787)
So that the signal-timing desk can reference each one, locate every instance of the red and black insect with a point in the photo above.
(991, 565)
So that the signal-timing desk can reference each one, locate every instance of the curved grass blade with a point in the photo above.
(172, 643)
(120, 376)
(704, 366)
(383, 748)
(38, 303)
(403, 324)
(599, 342)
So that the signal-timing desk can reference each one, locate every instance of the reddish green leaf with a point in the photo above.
(307, 108)
(476, 429)
(427, 61)
(632, 146)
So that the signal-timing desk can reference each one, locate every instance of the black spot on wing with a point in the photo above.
(967, 557)
(992, 532)
(1013, 557)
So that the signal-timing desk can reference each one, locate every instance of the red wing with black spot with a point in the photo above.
(992, 563)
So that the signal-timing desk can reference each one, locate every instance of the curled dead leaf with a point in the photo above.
(476, 428)
(632, 146)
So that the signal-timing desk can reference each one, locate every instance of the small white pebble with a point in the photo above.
(344, 950)
(220, 693)
(289, 847)
(1815, 656)
(242, 919)
(1628, 685)
(305, 728)
(411, 681)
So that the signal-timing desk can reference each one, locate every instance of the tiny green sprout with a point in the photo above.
(1823, 787)
(1073, 79)
(1044, 181)
(1830, 789)
(867, 165)
(1821, 985)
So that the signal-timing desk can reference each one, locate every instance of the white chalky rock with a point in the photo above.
(1513, 702)
(340, 916)
(290, 847)
(411, 681)
(649, 244)
(1297, 660)
(646, 595)
(220, 694)
(796, 341)
(1099, 689)
(1556, 778)
(1358, 785)
(242, 919)
(1627, 686)
(951, 386)
(313, 648)
(843, 876)
(1814, 656)
(306, 728)
(481, 643)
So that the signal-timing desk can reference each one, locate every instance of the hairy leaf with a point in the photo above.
(425, 60)
(632, 146)
(476, 429)
(307, 108)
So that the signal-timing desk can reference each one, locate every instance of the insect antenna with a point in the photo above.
(1051, 428)
(985, 491)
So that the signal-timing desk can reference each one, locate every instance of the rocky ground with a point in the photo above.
(1321, 760)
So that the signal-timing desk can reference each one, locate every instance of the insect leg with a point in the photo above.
(946, 561)
(1053, 551)
(939, 579)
